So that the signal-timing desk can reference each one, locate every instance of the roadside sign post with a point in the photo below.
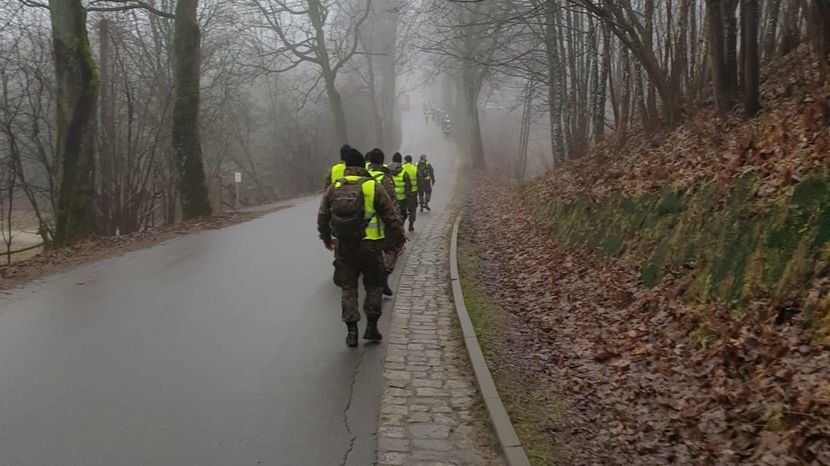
(237, 179)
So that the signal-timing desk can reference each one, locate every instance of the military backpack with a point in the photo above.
(348, 214)
(423, 171)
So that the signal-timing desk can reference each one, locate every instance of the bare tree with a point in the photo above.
(317, 32)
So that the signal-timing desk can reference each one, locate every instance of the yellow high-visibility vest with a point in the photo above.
(338, 170)
(412, 170)
(374, 229)
(400, 185)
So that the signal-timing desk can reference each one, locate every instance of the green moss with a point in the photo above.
(797, 220)
(652, 271)
(736, 245)
(669, 203)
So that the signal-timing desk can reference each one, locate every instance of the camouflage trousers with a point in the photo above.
(350, 262)
(424, 193)
(390, 258)
(409, 207)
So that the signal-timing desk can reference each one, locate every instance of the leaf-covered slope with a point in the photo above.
(740, 210)
(648, 376)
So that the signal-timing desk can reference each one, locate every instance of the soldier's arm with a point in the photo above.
(407, 183)
(327, 182)
(389, 184)
(432, 173)
(324, 216)
(387, 210)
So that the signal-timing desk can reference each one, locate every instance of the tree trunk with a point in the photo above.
(600, 89)
(187, 148)
(554, 88)
(625, 99)
(694, 64)
(790, 33)
(337, 111)
(651, 100)
(388, 76)
(749, 55)
(524, 132)
(472, 87)
(373, 98)
(679, 60)
(771, 28)
(613, 93)
(821, 32)
(107, 135)
(315, 15)
(77, 87)
(730, 51)
(640, 93)
(723, 98)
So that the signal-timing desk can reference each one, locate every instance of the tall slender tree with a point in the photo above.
(77, 86)
(187, 147)
(749, 55)
(723, 97)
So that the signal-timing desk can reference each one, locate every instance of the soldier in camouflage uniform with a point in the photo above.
(403, 184)
(380, 172)
(362, 257)
(411, 196)
(426, 179)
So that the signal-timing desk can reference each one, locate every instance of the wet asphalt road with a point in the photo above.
(218, 348)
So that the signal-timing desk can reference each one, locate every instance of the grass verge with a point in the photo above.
(535, 415)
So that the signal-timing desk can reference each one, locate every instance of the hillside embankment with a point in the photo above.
(671, 291)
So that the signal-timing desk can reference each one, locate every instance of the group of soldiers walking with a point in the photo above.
(361, 218)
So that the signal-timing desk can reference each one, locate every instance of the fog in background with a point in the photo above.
(282, 84)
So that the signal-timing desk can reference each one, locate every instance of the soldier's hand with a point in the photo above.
(401, 250)
(329, 244)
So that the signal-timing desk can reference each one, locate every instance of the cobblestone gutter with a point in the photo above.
(430, 409)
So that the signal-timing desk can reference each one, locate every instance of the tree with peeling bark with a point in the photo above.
(187, 148)
(77, 86)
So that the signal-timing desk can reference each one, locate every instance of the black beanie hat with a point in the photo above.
(396, 157)
(375, 156)
(354, 159)
(344, 150)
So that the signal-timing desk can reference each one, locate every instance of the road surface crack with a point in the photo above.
(352, 437)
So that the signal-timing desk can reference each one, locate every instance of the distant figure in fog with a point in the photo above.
(403, 184)
(426, 179)
(412, 194)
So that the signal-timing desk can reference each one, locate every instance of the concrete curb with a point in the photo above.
(514, 453)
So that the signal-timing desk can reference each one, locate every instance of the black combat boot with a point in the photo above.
(386, 290)
(411, 227)
(351, 336)
(372, 333)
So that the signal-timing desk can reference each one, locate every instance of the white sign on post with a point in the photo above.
(237, 179)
